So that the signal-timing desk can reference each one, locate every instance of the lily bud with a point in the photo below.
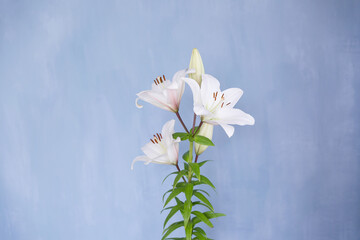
(206, 130)
(196, 64)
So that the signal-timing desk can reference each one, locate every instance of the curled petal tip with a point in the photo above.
(137, 104)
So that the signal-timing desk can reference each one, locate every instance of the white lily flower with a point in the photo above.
(162, 149)
(217, 107)
(164, 93)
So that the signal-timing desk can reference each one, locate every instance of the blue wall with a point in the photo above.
(69, 128)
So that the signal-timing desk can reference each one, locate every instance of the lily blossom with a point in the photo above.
(164, 93)
(162, 149)
(217, 107)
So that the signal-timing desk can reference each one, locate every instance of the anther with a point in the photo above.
(222, 104)
(164, 77)
(161, 80)
(158, 137)
(161, 135)
(155, 82)
(228, 103)
(152, 141)
(156, 140)
(222, 96)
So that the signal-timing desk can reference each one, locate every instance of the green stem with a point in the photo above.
(191, 147)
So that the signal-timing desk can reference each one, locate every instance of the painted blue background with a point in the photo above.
(69, 128)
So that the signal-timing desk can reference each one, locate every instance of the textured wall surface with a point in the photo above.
(69, 128)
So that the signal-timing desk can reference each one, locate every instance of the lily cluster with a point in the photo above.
(213, 107)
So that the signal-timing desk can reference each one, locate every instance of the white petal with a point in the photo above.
(155, 98)
(137, 104)
(195, 88)
(182, 73)
(232, 116)
(209, 85)
(163, 159)
(228, 129)
(167, 131)
(232, 96)
(200, 110)
(140, 158)
(173, 152)
(153, 150)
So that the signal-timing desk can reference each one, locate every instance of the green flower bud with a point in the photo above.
(206, 130)
(197, 64)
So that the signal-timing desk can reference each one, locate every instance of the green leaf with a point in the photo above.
(189, 191)
(186, 156)
(204, 199)
(172, 213)
(178, 177)
(199, 236)
(196, 169)
(175, 238)
(203, 162)
(213, 215)
(187, 212)
(203, 218)
(202, 204)
(200, 230)
(191, 130)
(171, 228)
(205, 180)
(200, 190)
(170, 190)
(174, 193)
(203, 140)
(209, 215)
(183, 136)
(168, 176)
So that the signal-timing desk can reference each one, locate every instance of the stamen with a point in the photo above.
(222, 96)
(152, 141)
(164, 77)
(222, 104)
(213, 94)
(155, 82)
(161, 135)
(156, 140)
(161, 80)
(158, 137)
(216, 95)
(228, 103)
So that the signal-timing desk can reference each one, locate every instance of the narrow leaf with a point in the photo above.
(172, 213)
(204, 199)
(203, 218)
(174, 193)
(183, 136)
(195, 167)
(203, 162)
(187, 212)
(178, 177)
(189, 191)
(168, 176)
(186, 156)
(203, 140)
(205, 180)
(171, 228)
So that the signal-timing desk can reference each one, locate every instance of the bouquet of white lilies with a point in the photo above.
(214, 107)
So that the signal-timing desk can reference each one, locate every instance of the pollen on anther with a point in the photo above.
(161, 135)
(155, 82)
(158, 137)
(228, 103)
(161, 80)
(164, 77)
(152, 141)
(156, 140)
(222, 104)
(222, 96)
